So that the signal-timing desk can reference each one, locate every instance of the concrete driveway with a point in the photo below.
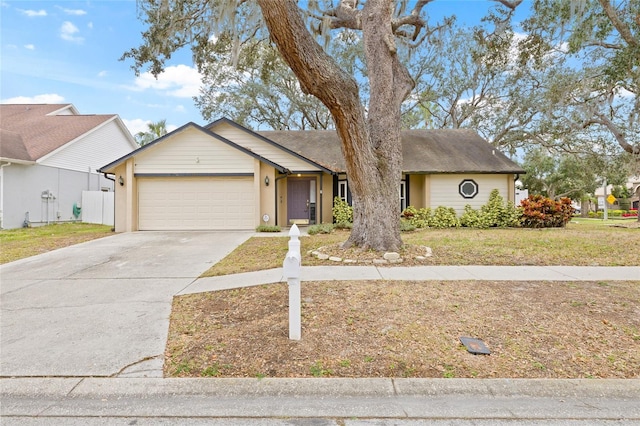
(100, 308)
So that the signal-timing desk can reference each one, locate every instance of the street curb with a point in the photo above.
(301, 387)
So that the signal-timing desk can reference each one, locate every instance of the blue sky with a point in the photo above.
(61, 51)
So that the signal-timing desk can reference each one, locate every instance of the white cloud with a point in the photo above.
(29, 47)
(75, 12)
(90, 25)
(33, 13)
(136, 125)
(47, 98)
(68, 31)
(180, 81)
(103, 74)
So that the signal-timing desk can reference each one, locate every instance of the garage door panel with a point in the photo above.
(195, 203)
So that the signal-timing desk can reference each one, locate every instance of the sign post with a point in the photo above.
(291, 271)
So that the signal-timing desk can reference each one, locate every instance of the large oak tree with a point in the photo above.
(370, 139)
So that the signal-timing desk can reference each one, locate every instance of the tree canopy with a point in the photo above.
(569, 82)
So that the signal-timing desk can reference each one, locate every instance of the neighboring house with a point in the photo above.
(49, 154)
(633, 185)
(224, 176)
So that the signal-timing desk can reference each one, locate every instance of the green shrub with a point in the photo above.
(542, 212)
(406, 226)
(343, 225)
(445, 217)
(472, 218)
(498, 213)
(419, 218)
(342, 211)
(267, 228)
(323, 228)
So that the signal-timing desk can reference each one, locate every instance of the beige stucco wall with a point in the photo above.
(267, 197)
(126, 198)
(416, 190)
(511, 196)
(444, 190)
(327, 199)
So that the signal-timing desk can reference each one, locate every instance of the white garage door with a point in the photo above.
(195, 203)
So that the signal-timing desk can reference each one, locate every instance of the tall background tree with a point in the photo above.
(154, 131)
(596, 47)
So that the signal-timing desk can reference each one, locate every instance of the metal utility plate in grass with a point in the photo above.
(475, 346)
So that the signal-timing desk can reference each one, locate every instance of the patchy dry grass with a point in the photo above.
(587, 243)
(24, 242)
(411, 329)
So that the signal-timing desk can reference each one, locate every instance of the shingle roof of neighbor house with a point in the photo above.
(29, 132)
(424, 151)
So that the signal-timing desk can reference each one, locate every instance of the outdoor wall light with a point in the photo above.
(121, 181)
(266, 180)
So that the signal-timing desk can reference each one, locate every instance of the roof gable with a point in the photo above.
(44, 129)
(266, 147)
(162, 140)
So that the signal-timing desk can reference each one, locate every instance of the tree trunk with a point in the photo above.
(584, 207)
(371, 146)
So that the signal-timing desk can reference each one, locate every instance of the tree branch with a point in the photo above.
(616, 132)
(510, 4)
(623, 29)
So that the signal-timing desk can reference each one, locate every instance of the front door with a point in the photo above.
(298, 200)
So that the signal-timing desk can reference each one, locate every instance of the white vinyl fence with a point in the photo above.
(98, 207)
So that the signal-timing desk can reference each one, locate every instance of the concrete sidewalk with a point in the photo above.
(421, 273)
(353, 402)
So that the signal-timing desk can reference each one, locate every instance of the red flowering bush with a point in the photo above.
(542, 212)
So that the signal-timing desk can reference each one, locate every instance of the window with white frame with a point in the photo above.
(403, 195)
(343, 190)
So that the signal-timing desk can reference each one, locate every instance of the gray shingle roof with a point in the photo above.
(39, 133)
(424, 151)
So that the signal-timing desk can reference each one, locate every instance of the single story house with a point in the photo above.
(49, 154)
(225, 176)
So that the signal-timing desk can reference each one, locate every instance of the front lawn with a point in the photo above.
(24, 242)
(582, 243)
(410, 329)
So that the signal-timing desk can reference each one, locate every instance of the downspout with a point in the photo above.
(113, 179)
(276, 192)
(2, 194)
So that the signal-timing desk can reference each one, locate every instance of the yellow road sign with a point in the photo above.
(611, 199)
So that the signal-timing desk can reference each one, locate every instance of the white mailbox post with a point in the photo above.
(291, 271)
